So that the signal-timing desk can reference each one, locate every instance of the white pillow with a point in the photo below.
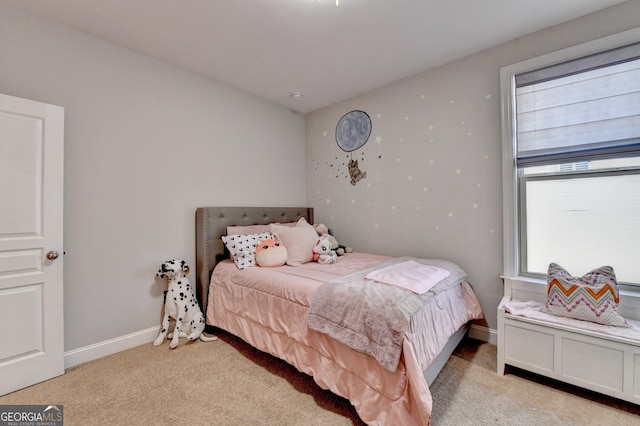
(243, 247)
(298, 240)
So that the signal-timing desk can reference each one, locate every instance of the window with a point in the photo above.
(571, 135)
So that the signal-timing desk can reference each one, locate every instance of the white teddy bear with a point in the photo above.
(322, 252)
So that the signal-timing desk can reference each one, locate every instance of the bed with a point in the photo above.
(275, 318)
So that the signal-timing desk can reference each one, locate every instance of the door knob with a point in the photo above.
(52, 255)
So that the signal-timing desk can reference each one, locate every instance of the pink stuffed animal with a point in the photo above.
(271, 253)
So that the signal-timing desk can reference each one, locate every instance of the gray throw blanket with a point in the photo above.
(370, 317)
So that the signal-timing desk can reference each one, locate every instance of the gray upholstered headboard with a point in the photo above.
(211, 225)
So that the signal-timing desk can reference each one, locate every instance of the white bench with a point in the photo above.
(593, 360)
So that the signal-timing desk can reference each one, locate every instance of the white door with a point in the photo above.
(31, 264)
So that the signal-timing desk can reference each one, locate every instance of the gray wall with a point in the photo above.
(145, 144)
(433, 161)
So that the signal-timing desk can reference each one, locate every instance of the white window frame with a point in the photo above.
(511, 237)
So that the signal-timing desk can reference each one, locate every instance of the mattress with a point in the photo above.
(268, 308)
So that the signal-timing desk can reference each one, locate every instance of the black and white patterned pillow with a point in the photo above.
(243, 247)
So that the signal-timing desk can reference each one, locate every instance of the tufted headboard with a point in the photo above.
(211, 225)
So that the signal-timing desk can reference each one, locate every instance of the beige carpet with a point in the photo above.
(229, 383)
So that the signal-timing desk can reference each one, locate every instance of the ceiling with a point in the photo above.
(326, 52)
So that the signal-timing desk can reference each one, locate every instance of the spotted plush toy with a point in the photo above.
(180, 304)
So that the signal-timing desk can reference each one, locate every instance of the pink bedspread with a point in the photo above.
(374, 317)
(268, 308)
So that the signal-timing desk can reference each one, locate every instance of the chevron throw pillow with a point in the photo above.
(593, 297)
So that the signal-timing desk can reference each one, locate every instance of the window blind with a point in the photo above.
(580, 110)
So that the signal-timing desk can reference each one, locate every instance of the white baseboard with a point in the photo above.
(483, 334)
(109, 347)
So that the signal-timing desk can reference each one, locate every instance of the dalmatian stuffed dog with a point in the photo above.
(180, 304)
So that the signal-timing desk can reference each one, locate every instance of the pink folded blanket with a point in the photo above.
(409, 275)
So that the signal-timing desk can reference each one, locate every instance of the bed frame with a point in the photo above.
(211, 225)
